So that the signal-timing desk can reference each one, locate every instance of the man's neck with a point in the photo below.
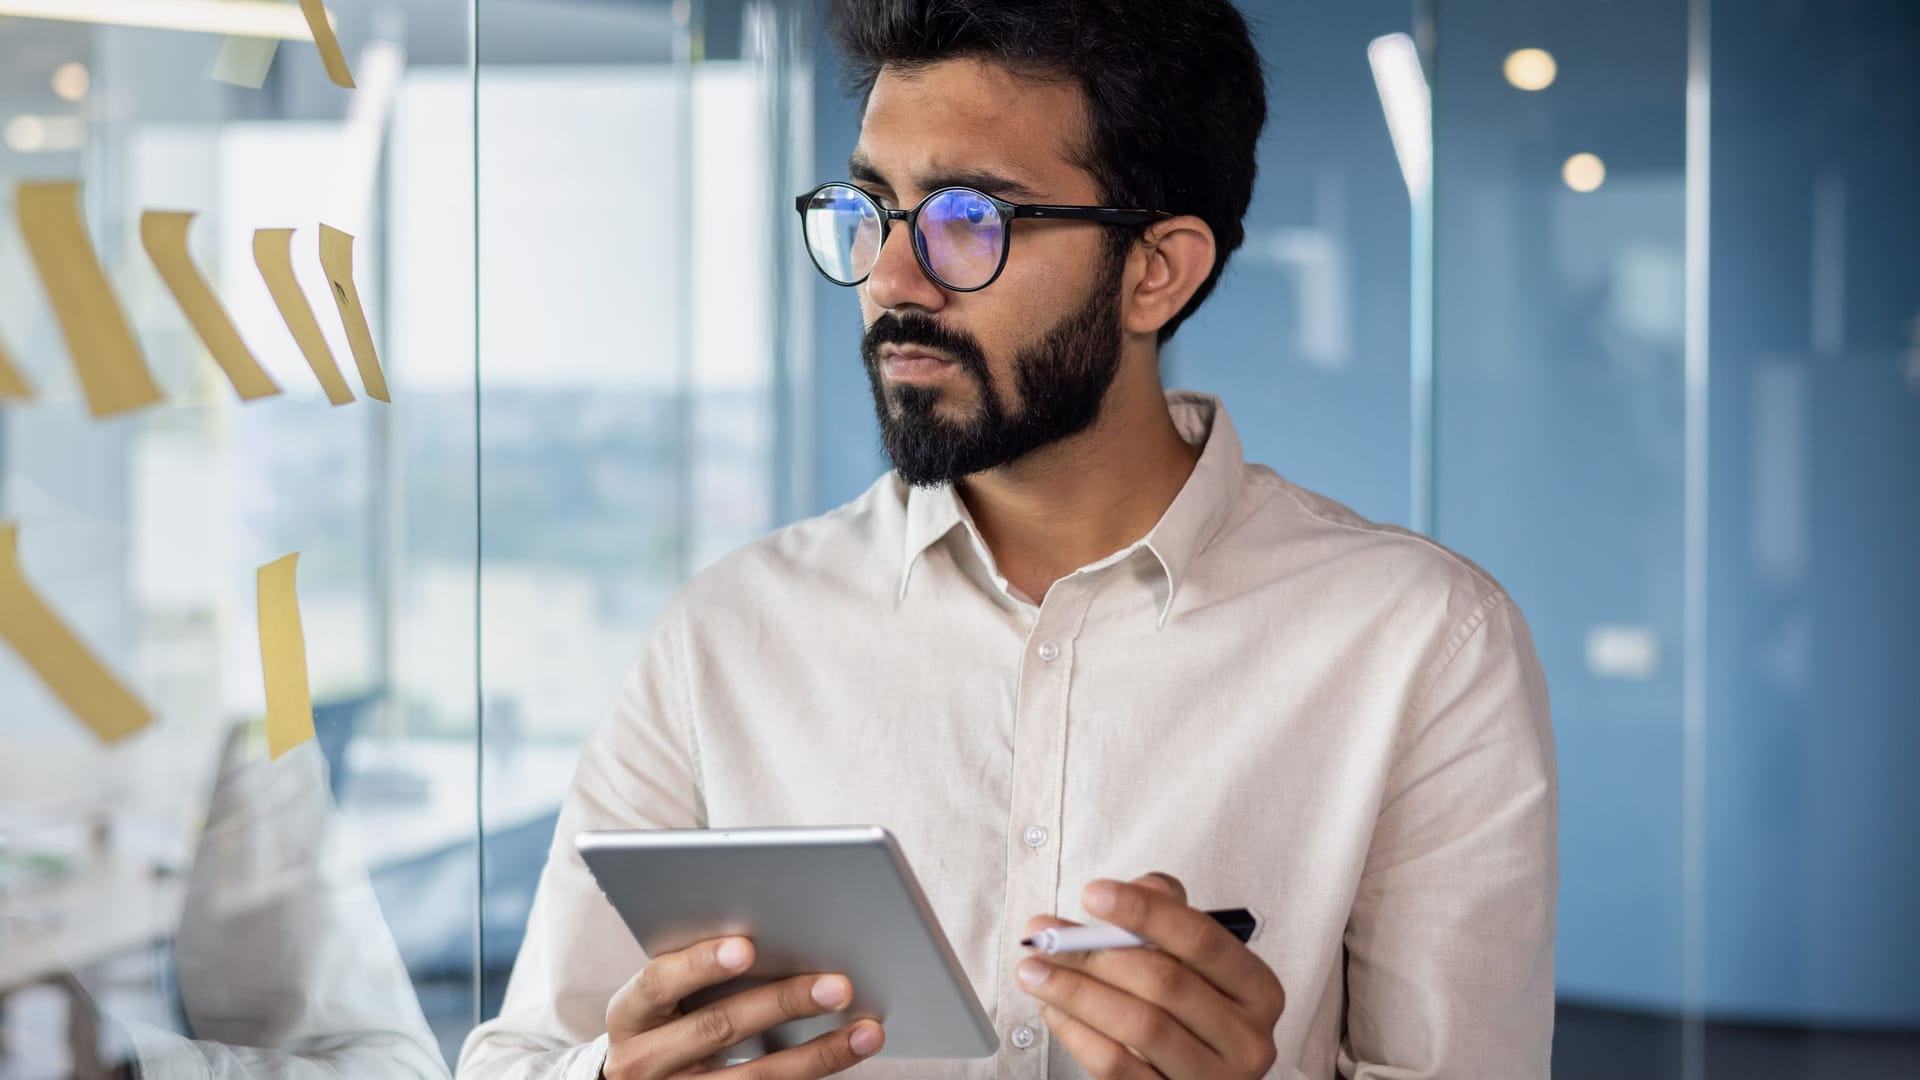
(1086, 497)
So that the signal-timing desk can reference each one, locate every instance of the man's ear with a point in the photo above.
(1164, 269)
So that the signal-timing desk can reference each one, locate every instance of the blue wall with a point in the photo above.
(1813, 875)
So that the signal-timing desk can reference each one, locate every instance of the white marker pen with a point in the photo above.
(1242, 923)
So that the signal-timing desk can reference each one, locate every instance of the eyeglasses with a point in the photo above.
(960, 236)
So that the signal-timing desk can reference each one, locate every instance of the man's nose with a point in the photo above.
(897, 280)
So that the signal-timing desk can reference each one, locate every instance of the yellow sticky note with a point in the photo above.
(336, 257)
(12, 383)
(283, 656)
(164, 234)
(61, 660)
(113, 373)
(329, 46)
(273, 254)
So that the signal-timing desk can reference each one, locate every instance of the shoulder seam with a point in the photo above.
(1374, 528)
(1456, 641)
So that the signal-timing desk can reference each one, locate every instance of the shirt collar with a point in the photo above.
(1189, 522)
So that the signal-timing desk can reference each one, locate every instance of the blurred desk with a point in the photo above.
(113, 826)
(101, 910)
(405, 799)
(411, 807)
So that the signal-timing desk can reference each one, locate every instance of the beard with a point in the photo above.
(1062, 379)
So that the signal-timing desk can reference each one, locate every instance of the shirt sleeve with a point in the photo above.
(638, 770)
(157, 1054)
(286, 968)
(1450, 941)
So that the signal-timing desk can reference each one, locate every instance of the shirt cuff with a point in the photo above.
(163, 1055)
(590, 1061)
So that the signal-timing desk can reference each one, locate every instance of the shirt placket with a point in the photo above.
(1033, 820)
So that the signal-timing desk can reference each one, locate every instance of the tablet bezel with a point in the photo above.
(839, 886)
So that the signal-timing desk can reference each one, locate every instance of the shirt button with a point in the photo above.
(1035, 836)
(1049, 651)
(1022, 1037)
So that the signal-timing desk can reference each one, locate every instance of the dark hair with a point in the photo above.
(1174, 89)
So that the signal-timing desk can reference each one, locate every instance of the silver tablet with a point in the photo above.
(813, 900)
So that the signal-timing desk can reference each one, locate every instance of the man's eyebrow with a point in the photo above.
(862, 170)
(859, 168)
(990, 182)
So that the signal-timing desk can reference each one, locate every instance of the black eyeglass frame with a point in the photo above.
(1009, 212)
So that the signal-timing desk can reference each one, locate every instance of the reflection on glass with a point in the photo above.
(1672, 340)
(178, 896)
(283, 962)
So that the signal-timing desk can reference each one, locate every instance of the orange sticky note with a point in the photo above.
(336, 258)
(283, 657)
(328, 45)
(273, 254)
(64, 663)
(164, 234)
(12, 384)
(113, 373)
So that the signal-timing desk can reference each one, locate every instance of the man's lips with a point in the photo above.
(907, 364)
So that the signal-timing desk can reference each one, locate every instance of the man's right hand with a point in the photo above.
(648, 1038)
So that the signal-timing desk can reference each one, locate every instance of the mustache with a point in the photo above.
(923, 331)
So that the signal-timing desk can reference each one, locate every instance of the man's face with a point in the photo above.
(965, 382)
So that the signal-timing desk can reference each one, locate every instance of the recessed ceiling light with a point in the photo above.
(1531, 69)
(242, 18)
(1584, 172)
(70, 80)
(26, 134)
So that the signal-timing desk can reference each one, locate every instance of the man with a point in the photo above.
(1073, 639)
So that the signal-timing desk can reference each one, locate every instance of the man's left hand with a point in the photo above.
(1200, 1005)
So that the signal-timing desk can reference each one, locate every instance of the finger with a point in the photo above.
(1044, 922)
(1164, 882)
(712, 1028)
(653, 997)
(1134, 1022)
(1098, 1054)
(836, 1051)
(1229, 1029)
(1192, 936)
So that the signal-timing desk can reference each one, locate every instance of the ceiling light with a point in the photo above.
(44, 134)
(1584, 172)
(241, 18)
(26, 135)
(1408, 103)
(70, 80)
(1531, 69)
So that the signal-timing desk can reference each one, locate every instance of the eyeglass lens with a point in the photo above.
(960, 234)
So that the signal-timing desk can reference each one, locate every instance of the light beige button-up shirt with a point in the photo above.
(1340, 724)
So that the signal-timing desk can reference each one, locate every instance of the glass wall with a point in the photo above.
(636, 362)
(1621, 301)
(1675, 412)
(176, 883)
